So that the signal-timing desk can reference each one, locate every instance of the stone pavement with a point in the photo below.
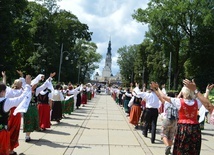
(99, 128)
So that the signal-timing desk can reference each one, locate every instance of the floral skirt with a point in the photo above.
(187, 140)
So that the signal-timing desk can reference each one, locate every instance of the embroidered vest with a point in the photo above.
(3, 116)
(188, 114)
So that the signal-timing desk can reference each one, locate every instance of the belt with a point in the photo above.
(152, 108)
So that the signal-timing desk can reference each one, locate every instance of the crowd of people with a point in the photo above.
(181, 114)
(39, 102)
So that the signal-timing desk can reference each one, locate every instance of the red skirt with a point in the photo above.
(44, 115)
(84, 99)
(4, 142)
(14, 123)
(135, 114)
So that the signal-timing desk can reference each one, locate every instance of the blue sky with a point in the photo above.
(109, 19)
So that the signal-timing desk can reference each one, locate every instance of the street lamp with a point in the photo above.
(79, 67)
(170, 63)
(60, 63)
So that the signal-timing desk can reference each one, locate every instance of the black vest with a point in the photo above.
(43, 99)
(3, 116)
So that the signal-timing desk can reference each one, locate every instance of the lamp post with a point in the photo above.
(170, 63)
(60, 62)
(79, 67)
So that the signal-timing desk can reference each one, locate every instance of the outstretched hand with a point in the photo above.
(190, 84)
(3, 73)
(210, 86)
(20, 73)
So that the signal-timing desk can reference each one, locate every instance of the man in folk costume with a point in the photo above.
(44, 107)
(5, 105)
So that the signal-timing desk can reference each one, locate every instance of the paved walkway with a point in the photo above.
(99, 128)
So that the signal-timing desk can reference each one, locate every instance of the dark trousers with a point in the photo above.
(150, 117)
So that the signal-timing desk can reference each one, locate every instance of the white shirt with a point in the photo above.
(57, 95)
(152, 101)
(14, 102)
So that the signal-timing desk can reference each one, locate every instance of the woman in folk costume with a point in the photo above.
(14, 121)
(89, 90)
(57, 98)
(135, 106)
(75, 92)
(31, 117)
(84, 96)
(127, 98)
(78, 102)
(188, 136)
(5, 105)
(44, 106)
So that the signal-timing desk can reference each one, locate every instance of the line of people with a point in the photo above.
(39, 102)
(179, 113)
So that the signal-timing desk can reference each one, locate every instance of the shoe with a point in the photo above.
(145, 135)
(27, 139)
(136, 127)
(167, 150)
(13, 153)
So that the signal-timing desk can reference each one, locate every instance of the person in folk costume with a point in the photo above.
(44, 106)
(188, 136)
(78, 102)
(127, 98)
(84, 96)
(161, 109)
(5, 105)
(75, 92)
(210, 107)
(31, 117)
(57, 98)
(151, 112)
(120, 96)
(135, 106)
(14, 121)
(88, 89)
(203, 111)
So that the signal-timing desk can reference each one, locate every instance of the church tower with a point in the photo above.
(108, 61)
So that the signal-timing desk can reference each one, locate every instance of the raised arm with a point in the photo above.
(192, 86)
(4, 77)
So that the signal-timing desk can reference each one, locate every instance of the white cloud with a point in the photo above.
(109, 19)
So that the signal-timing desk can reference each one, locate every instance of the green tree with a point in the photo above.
(175, 25)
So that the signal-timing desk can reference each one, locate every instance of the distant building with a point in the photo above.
(107, 76)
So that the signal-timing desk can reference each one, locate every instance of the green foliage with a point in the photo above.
(32, 37)
(184, 28)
